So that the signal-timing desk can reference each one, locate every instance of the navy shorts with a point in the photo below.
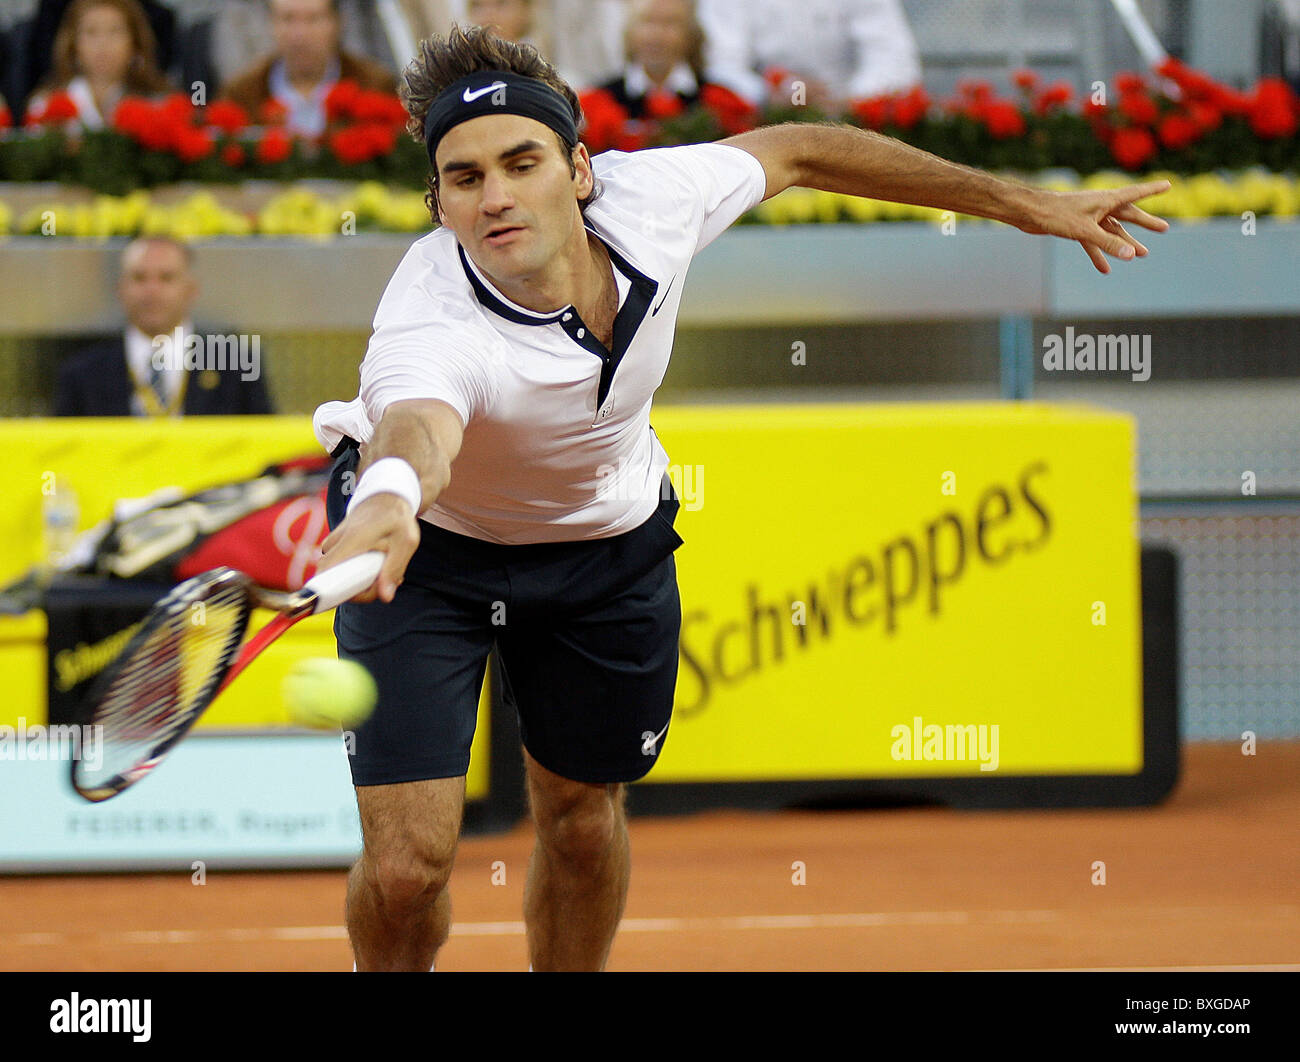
(586, 635)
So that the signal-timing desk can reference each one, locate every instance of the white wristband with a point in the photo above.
(390, 475)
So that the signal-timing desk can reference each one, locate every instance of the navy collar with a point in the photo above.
(628, 320)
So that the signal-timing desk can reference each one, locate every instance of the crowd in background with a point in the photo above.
(648, 54)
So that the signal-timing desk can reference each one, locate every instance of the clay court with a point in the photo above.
(1205, 881)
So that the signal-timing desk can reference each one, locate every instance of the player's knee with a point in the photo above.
(407, 880)
(582, 833)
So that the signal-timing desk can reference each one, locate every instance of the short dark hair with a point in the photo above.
(442, 60)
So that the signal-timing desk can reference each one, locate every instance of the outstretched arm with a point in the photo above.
(427, 435)
(841, 158)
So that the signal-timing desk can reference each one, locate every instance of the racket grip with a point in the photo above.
(344, 581)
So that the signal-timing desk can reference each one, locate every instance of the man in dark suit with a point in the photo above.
(160, 365)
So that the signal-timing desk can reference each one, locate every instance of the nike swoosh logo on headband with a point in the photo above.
(470, 97)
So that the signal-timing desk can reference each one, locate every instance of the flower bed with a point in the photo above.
(322, 210)
(1177, 120)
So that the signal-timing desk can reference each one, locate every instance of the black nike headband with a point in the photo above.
(496, 92)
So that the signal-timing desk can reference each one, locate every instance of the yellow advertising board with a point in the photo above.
(867, 590)
(904, 590)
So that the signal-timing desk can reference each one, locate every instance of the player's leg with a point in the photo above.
(594, 692)
(398, 906)
(578, 875)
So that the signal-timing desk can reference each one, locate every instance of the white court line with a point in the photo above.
(865, 920)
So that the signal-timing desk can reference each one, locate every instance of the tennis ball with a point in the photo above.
(327, 694)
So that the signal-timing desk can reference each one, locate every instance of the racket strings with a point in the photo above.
(170, 675)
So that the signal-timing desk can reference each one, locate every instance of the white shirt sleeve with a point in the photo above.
(420, 359)
(886, 58)
(719, 183)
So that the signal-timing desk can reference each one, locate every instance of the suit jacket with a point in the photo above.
(95, 382)
(252, 88)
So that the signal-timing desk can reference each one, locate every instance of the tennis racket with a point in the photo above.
(188, 649)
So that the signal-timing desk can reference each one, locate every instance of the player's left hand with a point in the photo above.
(1094, 220)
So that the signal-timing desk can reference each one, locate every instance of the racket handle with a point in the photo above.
(344, 581)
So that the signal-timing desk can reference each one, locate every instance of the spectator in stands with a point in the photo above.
(306, 64)
(145, 371)
(587, 39)
(664, 48)
(104, 50)
(840, 49)
(242, 27)
(50, 15)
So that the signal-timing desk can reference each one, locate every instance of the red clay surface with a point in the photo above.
(1206, 880)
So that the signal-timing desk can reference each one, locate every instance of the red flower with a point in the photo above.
(776, 76)
(1025, 79)
(1093, 110)
(734, 114)
(275, 146)
(1004, 120)
(1132, 147)
(194, 144)
(1274, 109)
(605, 119)
(911, 107)
(631, 140)
(873, 113)
(58, 108)
(1174, 69)
(233, 155)
(148, 124)
(340, 100)
(1206, 116)
(1229, 100)
(178, 108)
(361, 143)
(974, 88)
(377, 107)
(227, 116)
(6, 119)
(1177, 131)
(1060, 94)
(273, 113)
(1129, 82)
(382, 138)
(1138, 108)
(132, 115)
(663, 105)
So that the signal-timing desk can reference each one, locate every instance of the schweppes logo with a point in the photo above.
(888, 587)
(86, 660)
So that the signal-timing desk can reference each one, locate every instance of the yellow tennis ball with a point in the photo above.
(327, 694)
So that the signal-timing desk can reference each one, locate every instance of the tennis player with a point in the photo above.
(500, 452)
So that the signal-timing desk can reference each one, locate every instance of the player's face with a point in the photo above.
(157, 288)
(505, 189)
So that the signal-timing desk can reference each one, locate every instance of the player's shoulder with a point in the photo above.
(429, 283)
(678, 158)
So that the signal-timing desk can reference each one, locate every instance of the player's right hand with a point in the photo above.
(383, 522)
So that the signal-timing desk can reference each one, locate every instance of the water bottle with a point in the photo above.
(61, 515)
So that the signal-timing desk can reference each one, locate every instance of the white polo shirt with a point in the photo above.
(558, 444)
